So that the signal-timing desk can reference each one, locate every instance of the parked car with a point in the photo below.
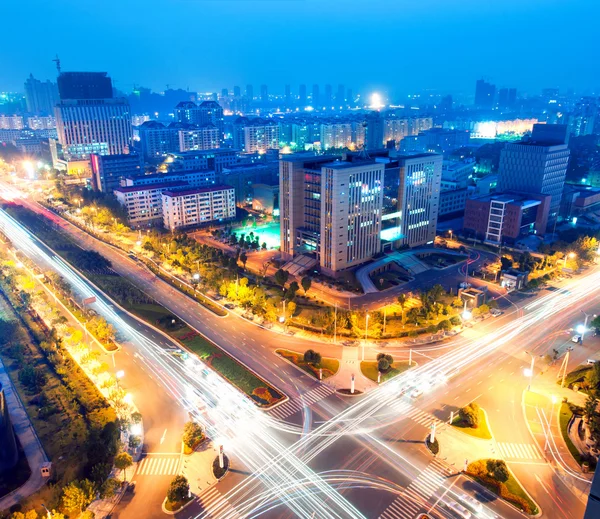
(495, 312)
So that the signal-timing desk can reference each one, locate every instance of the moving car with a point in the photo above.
(416, 393)
(495, 312)
(576, 339)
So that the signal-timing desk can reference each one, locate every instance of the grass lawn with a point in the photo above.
(329, 365)
(369, 369)
(515, 488)
(173, 507)
(564, 418)
(576, 376)
(483, 431)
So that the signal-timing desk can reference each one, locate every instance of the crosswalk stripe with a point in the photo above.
(295, 405)
(518, 450)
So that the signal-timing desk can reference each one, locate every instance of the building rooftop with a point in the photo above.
(523, 199)
(162, 185)
(197, 190)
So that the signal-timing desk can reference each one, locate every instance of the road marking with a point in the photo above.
(519, 451)
(162, 439)
(296, 404)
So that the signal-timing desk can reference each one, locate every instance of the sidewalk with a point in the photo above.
(29, 441)
(197, 467)
(350, 365)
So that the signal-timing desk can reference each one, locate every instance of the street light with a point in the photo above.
(466, 314)
(570, 255)
(528, 372)
(583, 329)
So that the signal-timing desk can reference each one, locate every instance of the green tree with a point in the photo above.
(312, 357)
(178, 489)
(469, 415)
(281, 277)
(243, 258)
(444, 325)
(109, 488)
(192, 434)
(292, 290)
(484, 309)
(134, 441)
(123, 461)
(291, 308)
(498, 470)
(77, 495)
(383, 365)
(306, 282)
(402, 302)
(589, 408)
(88, 514)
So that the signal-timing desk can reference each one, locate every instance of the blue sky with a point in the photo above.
(396, 46)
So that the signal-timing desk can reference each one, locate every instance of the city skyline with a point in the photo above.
(473, 47)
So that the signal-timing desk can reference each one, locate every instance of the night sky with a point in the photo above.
(397, 47)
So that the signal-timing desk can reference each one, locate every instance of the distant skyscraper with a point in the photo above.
(250, 92)
(328, 96)
(374, 131)
(288, 96)
(84, 85)
(316, 98)
(302, 96)
(224, 92)
(349, 98)
(340, 98)
(484, 94)
(41, 96)
(237, 91)
(91, 124)
(507, 98)
(538, 165)
(264, 94)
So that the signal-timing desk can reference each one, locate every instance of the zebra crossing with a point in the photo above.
(410, 502)
(158, 466)
(296, 404)
(519, 451)
(215, 505)
(414, 413)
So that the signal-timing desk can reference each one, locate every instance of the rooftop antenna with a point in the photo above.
(57, 61)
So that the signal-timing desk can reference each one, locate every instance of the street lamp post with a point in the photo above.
(529, 371)
(584, 329)
(570, 255)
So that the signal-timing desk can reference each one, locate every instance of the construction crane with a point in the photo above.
(57, 61)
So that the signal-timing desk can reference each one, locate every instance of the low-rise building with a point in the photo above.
(266, 198)
(453, 201)
(514, 279)
(109, 170)
(202, 178)
(144, 203)
(505, 217)
(197, 206)
(215, 160)
(472, 296)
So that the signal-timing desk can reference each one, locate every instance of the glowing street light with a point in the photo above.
(120, 374)
(136, 429)
(466, 314)
(581, 329)
(196, 276)
(570, 255)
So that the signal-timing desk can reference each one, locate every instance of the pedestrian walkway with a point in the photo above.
(414, 497)
(519, 451)
(158, 465)
(295, 405)
(408, 410)
(214, 504)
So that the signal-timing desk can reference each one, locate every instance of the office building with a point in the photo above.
(143, 204)
(328, 100)
(197, 206)
(302, 99)
(215, 160)
(330, 208)
(288, 96)
(452, 201)
(592, 510)
(41, 122)
(109, 170)
(264, 94)
(206, 137)
(157, 140)
(202, 178)
(237, 91)
(250, 93)
(418, 198)
(457, 172)
(11, 122)
(40, 96)
(507, 98)
(484, 94)
(84, 85)
(538, 165)
(503, 218)
(340, 98)
(243, 176)
(374, 131)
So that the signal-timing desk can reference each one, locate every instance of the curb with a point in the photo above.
(165, 511)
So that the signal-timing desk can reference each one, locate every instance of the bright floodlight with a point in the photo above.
(282, 319)
(138, 243)
(467, 314)
(196, 276)
(120, 373)
(376, 101)
(554, 399)
(136, 429)
(580, 328)
(527, 372)
(128, 398)
(19, 265)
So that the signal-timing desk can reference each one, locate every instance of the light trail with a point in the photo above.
(226, 412)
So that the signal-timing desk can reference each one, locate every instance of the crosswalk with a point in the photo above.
(519, 451)
(296, 404)
(158, 466)
(412, 499)
(215, 505)
(414, 413)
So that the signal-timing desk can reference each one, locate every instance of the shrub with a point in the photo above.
(192, 434)
(178, 489)
(383, 364)
(469, 415)
(312, 357)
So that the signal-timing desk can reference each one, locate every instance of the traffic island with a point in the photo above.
(218, 471)
(472, 420)
(325, 367)
(498, 479)
(370, 369)
(433, 446)
(178, 496)
(348, 392)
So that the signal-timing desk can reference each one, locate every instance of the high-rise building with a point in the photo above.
(374, 131)
(418, 198)
(331, 208)
(336, 135)
(484, 94)
(186, 112)
(349, 98)
(224, 93)
(237, 91)
(316, 97)
(288, 96)
(157, 140)
(205, 137)
(537, 166)
(84, 85)
(592, 509)
(250, 93)
(109, 170)
(211, 112)
(340, 98)
(214, 160)
(94, 122)
(261, 135)
(41, 96)
(264, 94)
(507, 98)
(328, 96)
(11, 122)
(302, 100)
